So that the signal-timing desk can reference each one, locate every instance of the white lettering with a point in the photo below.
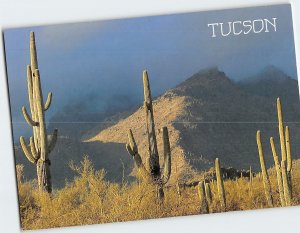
(254, 25)
(245, 27)
(247, 24)
(213, 28)
(267, 22)
(229, 29)
(234, 31)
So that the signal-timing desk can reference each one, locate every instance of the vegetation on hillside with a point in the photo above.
(90, 199)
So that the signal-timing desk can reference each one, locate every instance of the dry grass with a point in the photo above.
(90, 199)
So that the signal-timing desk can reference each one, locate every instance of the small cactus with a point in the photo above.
(288, 158)
(20, 173)
(220, 184)
(250, 182)
(208, 194)
(159, 177)
(178, 192)
(266, 181)
(203, 202)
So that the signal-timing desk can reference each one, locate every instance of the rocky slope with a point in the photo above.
(210, 116)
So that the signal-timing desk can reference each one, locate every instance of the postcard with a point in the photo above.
(151, 117)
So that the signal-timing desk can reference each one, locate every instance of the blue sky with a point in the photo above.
(103, 61)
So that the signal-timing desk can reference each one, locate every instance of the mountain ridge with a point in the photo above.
(205, 111)
(208, 116)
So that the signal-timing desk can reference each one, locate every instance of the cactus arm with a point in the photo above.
(167, 156)
(266, 180)
(28, 118)
(48, 101)
(281, 130)
(26, 150)
(130, 150)
(288, 149)
(132, 143)
(153, 151)
(278, 172)
(30, 88)
(31, 98)
(53, 141)
(33, 150)
(133, 149)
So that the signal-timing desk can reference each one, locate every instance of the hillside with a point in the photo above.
(210, 116)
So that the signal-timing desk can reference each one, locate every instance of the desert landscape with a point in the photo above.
(208, 145)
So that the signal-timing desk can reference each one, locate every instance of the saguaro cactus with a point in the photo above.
(281, 131)
(278, 173)
(208, 194)
(158, 176)
(203, 202)
(288, 158)
(286, 188)
(39, 148)
(220, 184)
(250, 182)
(266, 181)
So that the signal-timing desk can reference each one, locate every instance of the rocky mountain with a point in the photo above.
(208, 116)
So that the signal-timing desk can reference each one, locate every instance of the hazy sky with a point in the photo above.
(103, 61)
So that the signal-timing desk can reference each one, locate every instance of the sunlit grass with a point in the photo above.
(90, 199)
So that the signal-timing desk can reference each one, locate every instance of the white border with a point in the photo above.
(15, 13)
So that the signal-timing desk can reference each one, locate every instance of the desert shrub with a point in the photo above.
(90, 199)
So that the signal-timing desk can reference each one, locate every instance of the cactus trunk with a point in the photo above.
(278, 172)
(266, 181)
(281, 131)
(288, 159)
(250, 182)
(153, 151)
(286, 188)
(203, 202)
(208, 193)
(220, 184)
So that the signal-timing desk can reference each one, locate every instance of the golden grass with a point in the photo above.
(90, 199)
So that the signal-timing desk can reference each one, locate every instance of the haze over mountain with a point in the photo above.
(208, 116)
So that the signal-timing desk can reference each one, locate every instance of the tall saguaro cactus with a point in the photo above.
(220, 184)
(158, 176)
(283, 167)
(266, 180)
(39, 148)
(286, 157)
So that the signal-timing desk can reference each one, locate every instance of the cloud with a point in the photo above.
(68, 36)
